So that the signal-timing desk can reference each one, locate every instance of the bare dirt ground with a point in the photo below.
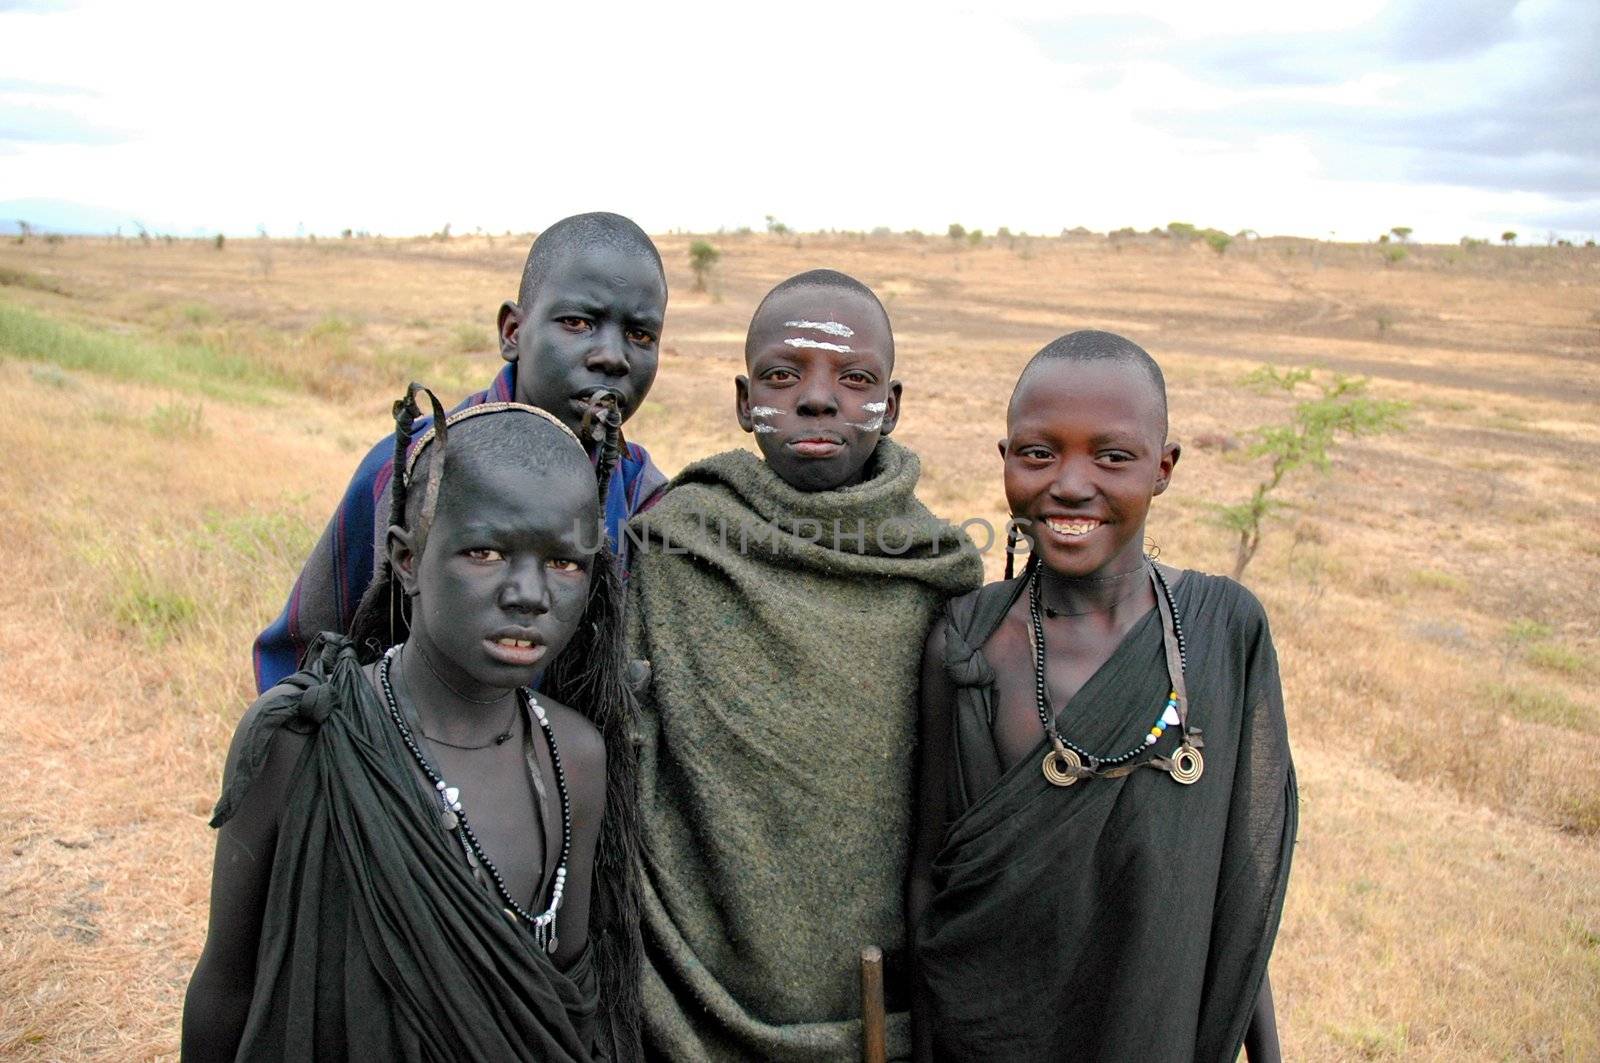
(183, 419)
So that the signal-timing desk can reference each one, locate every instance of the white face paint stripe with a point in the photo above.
(800, 341)
(875, 407)
(764, 411)
(762, 428)
(869, 426)
(832, 328)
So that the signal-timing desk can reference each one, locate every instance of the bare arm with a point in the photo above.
(933, 748)
(1261, 1039)
(218, 1001)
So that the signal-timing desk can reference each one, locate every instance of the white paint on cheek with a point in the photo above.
(762, 429)
(875, 407)
(868, 426)
(801, 341)
(831, 328)
(764, 411)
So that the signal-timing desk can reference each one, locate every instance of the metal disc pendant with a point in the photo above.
(1187, 765)
(552, 944)
(1059, 765)
(449, 820)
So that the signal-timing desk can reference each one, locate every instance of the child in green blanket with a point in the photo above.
(781, 604)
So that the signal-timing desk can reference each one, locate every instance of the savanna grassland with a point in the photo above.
(181, 420)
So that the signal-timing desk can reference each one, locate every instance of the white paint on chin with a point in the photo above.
(801, 341)
(831, 328)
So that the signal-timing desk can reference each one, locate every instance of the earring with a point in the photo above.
(1151, 550)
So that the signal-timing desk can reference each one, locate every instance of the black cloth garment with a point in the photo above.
(378, 942)
(1114, 919)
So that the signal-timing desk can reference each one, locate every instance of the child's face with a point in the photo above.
(1083, 458)
(503, 579)
(596, 321)
(818, 395)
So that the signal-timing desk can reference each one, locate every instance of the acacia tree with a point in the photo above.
(1508, 237)
(1339, 408)
(1401, 232)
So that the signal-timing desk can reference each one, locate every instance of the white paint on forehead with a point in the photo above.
(832, 328)
(764, 411)
(801, 341)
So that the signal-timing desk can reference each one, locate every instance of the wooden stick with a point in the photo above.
(874, 1043)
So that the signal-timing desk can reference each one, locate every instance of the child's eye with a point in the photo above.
(856, 376)
(1034, 454)
(640, 338)
(780, 376)
(484, 553)
(1116, 457)
(564, 564)
(575, 324)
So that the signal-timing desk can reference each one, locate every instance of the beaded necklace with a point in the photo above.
(1064, 763)
(453, 818)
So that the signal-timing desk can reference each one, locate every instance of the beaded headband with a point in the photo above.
(477, 411)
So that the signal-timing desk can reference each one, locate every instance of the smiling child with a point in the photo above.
(1106, 803)
(588, 315)
(781, 603)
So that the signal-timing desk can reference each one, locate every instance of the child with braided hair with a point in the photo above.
(418, 857)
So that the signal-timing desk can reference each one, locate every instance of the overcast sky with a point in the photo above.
(1459, 117)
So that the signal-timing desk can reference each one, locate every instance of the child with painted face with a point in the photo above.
(586, 323)
(407, 849)
(1106, 802)
(780, 603)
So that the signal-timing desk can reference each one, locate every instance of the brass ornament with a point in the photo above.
(1187, 765)
(1059, 765)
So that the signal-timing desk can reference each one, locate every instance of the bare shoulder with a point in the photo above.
(583, 750)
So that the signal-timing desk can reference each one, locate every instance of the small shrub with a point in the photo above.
(1393, 255)
(776, 227)
(1218, 241)
(975, 237)
(1554, 657)
(702, 257)
(1384, 320)
(1182, 230)
(219, 241)
(957, 231)
(177, 420)
(1533, 704)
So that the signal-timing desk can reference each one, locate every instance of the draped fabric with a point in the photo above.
(784, 631)
(377, 942)
(1115, 919)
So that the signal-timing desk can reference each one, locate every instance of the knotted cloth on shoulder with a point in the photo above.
(784, 630)
(377, 942)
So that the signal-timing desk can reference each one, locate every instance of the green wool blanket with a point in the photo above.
(784, 631)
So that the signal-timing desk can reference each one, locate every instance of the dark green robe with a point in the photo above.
(1115, 919)
(784, 629)
(377, 942)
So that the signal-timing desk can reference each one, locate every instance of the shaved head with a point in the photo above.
(1106, 348)
(825, 283)
(580, 232)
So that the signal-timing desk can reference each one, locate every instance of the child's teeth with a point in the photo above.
(1074, 527)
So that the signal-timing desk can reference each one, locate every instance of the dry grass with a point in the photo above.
(187, 418)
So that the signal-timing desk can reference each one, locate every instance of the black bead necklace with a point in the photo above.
(453, 818)
(1186, 764)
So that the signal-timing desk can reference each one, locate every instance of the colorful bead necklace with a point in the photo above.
(453, 818)
(1064, 764)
